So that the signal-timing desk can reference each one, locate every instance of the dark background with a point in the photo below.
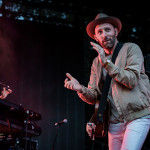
(36, 53)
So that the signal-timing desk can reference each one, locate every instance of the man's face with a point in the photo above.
(106, 34)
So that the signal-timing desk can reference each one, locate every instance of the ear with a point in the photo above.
(116, 32)
(95, 38)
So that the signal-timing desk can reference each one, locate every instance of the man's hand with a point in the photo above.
(100, 51)
(5, 93)
(72, 84)
(90, 127)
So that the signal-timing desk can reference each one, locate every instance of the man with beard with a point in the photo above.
(129, 92)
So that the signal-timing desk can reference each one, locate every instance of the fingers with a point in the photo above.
(69, 76)
(93, 44)
(9, 90)
(68, 84)
(72, 84)
(66, 80)
(90, 127)
(97, 47)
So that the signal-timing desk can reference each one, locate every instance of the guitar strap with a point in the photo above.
(105, 90)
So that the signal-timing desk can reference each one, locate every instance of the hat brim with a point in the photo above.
(90, 29)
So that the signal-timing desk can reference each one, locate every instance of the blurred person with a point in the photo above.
(5, 92)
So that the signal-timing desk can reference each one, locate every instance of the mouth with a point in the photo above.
(106, 41)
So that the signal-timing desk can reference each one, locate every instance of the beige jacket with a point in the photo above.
(130, 85)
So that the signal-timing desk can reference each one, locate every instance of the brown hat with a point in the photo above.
(102, 18)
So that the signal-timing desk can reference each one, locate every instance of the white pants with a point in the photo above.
(128, 136)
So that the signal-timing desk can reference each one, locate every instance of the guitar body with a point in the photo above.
(102, 127)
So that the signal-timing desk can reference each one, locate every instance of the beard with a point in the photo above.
(108, 42)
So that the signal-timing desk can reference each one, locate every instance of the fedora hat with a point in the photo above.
(102, 18)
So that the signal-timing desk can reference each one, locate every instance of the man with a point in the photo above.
(129, 92)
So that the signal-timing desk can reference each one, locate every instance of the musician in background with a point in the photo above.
(129, 92)
(5, 92)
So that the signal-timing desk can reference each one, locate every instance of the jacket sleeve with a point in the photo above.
(90, 93)
(128, 76)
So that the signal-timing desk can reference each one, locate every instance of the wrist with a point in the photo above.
(106, 63)
(80, 90)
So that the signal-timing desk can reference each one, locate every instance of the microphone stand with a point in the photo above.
(53, 147)
(26, 129)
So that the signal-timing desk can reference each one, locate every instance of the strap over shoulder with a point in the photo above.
(103, 99)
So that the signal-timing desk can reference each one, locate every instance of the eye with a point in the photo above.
(107, 29)
(100, 32)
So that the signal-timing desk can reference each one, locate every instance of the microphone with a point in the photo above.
(61, 122)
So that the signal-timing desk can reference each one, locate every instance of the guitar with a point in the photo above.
(101, 128)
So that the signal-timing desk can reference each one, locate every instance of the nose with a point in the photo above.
(104, 34)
